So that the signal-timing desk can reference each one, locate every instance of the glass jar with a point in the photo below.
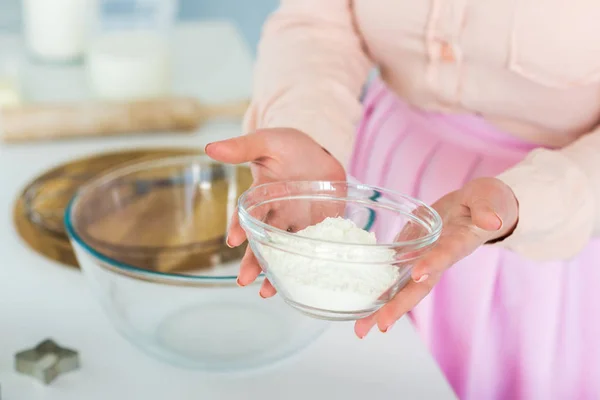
(129, 55)
(56, 30)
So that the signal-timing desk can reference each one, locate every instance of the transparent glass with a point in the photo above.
(56, 30)
(129, 56)
(405, 229)
(150, 239)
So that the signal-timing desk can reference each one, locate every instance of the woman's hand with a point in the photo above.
(483, 210)
(278, 154)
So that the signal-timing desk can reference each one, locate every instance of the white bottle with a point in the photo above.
(55, 30)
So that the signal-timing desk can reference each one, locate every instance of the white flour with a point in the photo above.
(337, 283)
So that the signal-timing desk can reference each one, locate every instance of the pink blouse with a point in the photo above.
(531, 68)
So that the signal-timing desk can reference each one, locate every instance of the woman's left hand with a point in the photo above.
(484, 209)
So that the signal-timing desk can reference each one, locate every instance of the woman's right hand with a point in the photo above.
(277, 154)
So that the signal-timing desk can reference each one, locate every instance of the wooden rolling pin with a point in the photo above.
(59, 121)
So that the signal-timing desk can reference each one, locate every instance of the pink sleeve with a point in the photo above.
(559, 200)
(310, 71)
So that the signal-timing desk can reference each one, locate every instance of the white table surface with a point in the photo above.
(41, 299)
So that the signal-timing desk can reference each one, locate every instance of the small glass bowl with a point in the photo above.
(150, 239)
(327, 278)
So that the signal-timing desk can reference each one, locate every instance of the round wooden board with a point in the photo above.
(39, 209)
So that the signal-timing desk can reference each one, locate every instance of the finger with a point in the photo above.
(249, 268)
(240, 149)
(491, 202)
(235, 234)
(267, 290)
(457, 243)
(484, 215)
(391, 312)
(402, 303)
(364, 325)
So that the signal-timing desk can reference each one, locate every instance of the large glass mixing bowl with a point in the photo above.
(150, 239)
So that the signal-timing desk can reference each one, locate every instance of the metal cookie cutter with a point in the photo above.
(46, 361)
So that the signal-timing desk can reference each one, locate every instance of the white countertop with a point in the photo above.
(40, 299)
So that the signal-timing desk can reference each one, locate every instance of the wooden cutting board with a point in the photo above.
(39, 212)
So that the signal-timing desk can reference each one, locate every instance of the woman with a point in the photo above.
(490, 111)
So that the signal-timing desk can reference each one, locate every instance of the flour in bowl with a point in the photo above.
(328, 276)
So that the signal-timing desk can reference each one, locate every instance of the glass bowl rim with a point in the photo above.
(419, 243)
(116, 266)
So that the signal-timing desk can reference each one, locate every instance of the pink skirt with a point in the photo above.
(499, 326)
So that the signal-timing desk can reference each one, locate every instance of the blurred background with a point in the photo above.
(248, 15)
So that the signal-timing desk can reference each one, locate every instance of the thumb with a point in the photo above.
(239, 150)
(492, 204)
(484, 215)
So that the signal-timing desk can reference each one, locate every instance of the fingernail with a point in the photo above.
(206, 147)
(227, 243)
(422, 278)
(238, 282)
(261, 295)
(500, 222)
(390, 326)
